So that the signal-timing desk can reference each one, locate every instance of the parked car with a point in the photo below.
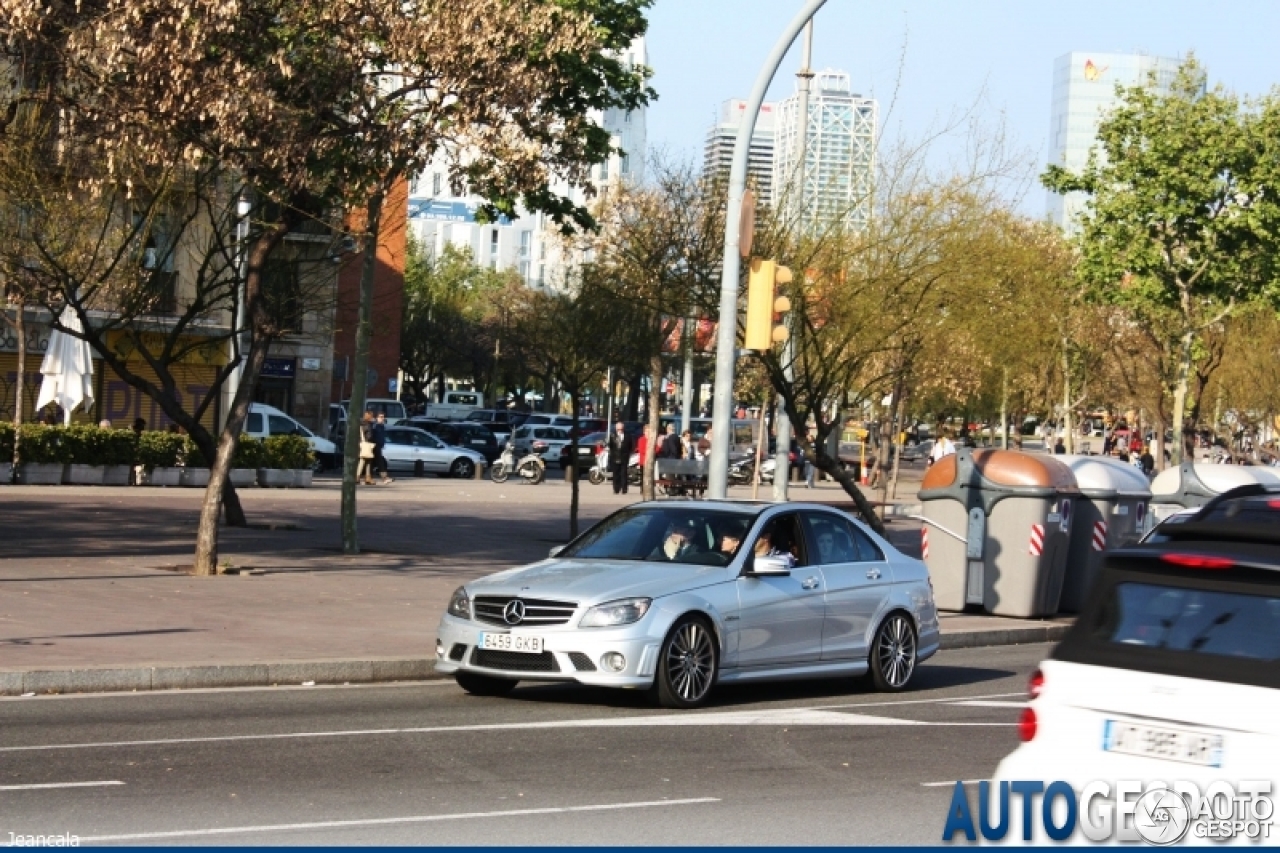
(264, 421)
(1170, 671)
(918, 452)
(417, 451)
(472, 436)
(499, 421)
(588, 447)
(545, 441)
(670, 596)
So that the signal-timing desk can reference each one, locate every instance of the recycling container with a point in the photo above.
(997, 528)
(1111, 512)
(1192, 484)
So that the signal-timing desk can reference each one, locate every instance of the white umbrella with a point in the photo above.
(67, 368)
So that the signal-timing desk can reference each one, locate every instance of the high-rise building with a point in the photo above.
(1084, 90)
(530, 243)
(723, 134)
(839, 152)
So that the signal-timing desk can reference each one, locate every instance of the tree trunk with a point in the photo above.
(892, 491)
(206, 556)
(572, 473)
(826, 464)
(360, 377)
(655, 390)
(20, 329)
(631, 411)
(1004, 410)
(1178, 451)
(1068, 434)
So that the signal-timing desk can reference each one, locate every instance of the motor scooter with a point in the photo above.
(599, 471)
(531, 468)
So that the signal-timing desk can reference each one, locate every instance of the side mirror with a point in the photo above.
(769, 567)
(555, 552)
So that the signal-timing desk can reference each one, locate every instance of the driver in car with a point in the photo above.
(675, 546)
(770, 544)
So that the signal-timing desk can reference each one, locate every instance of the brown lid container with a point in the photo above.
(1005, 468)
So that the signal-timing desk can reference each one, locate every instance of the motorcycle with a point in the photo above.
(599, 471)
(531, 468)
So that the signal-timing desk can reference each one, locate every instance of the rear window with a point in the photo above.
(1196, 621)
(1216, 624)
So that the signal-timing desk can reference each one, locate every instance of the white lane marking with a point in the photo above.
(57, 785)
(823, 716)
(936, 701)
(390, 821)
(188, 691)
(989, 703)
(949, 784)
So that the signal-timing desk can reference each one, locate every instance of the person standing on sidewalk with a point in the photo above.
(379, 442)
(368, 450)
(620, 449)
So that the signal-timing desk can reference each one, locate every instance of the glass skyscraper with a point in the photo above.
(839, 153)
(1084, 90)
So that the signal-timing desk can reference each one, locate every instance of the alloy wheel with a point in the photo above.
(895, 652)
(690, 663)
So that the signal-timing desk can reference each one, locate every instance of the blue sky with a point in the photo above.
(705, 51)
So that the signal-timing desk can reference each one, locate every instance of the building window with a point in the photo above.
(157, 280)
(436, 183)
(626, 164)
(526, 242)
(493, 242)
(282, 293)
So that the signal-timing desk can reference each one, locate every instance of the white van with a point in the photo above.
(264, 421)
(456, 405)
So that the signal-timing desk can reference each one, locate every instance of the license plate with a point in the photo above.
(511, 643)
(1184, 745)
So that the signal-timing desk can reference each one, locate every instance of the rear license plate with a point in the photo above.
(511, 643)
(1184, 745)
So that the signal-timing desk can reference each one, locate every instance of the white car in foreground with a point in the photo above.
(677, 596)
(1169, 679)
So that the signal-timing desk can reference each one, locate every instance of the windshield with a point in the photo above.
(1195, 621)
(701, 537)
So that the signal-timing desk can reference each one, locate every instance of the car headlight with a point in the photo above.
(460, 604)
(621, 612)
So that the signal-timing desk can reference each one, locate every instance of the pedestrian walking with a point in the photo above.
(942, 448)
(379, 442)
(363, 472)
(620, 448)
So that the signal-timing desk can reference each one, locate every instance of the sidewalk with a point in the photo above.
(91, 598)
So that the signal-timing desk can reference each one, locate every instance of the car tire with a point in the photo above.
(484, 685)
(462, 468)
(688, 663)
(893, 653)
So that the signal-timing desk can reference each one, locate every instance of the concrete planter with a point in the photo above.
(115, 475)
(302, 478)
(275, 478)
(195, 478)
(243, 477)
(84, 475)
(6, 473)
(41, 473)
(161, 476)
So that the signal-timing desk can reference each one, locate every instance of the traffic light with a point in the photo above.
(763, 330)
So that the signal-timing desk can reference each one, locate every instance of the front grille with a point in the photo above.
(581, 662)
(515, 661)
(537, 611)
(458, 650)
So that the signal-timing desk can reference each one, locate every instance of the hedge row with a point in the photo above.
(91, 445)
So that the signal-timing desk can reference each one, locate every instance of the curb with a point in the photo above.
(372, 671)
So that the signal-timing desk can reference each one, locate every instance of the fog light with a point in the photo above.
(439, 648)
(613, 662)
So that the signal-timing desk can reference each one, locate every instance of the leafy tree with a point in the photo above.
(1180, 227)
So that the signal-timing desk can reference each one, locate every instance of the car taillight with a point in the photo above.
(599, 449)
(1027, 725)
(1035, 684)
(539, 445)
(1198, 561)
(1273, 504)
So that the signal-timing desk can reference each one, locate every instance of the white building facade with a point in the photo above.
(529, 244)
(840, 150)
(1084, 91)
(718, 154)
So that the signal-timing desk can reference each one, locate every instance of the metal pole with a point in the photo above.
(608, 403)
(687, 397)
(727, 333)
(782, 428)
(238, 344)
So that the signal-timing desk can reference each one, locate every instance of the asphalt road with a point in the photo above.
(809, 763)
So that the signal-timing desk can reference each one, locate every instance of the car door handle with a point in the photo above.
(874, 574)
(809, 583)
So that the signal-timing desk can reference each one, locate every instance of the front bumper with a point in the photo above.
(569, 654)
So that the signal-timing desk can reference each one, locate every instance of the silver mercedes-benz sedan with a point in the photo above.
(678, 596)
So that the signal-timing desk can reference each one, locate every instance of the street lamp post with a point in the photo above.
(727, 333)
